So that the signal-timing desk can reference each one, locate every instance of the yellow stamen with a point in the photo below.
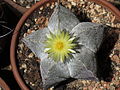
(59, 45)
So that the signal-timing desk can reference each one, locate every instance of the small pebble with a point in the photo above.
(27, 24)
(14, 0)
(52, 6)
(117, 68)
(116, 58)
(24, 66)
(101, 87)
(119, 77)
(48, 4)
(69, 6)
(21, 46)
(1, 88)
(25, 34)
(41, 8)
(40, 20)
(32, 84)
(25, 70)
(52, 88)
(30, 55)
(73, 3)
(28, 6)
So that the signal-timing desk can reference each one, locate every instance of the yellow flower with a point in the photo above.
(59, 45)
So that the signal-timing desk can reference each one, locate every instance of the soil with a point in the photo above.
(108, 55)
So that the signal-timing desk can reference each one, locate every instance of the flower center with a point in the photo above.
(59, 45)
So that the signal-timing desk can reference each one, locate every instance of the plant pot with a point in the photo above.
(16, 34)
(3, 85)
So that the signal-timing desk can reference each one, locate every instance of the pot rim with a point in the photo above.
(17, 76)
(3, 84)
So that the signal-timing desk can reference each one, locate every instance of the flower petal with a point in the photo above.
(83, 65)
(35, 42)
(62, 18)
(53, 72)
(90, 34)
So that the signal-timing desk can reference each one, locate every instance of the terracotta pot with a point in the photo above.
(18, 78)
(3, 85)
